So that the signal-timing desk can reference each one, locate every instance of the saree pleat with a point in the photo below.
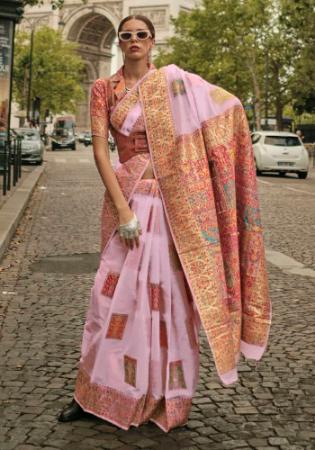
(140, 342)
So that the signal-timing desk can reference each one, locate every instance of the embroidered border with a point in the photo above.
(120, 112)
(125, 410)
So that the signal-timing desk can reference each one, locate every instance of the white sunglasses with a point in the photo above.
(126, 36)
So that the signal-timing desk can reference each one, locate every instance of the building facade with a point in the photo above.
(93, 26)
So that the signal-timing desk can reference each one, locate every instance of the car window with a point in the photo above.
(61, 132)
(255, 138)
(29, 135)
(282, 141)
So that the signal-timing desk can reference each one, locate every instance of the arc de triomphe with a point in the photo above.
(93, 24)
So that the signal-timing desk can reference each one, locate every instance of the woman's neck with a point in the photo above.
(135, 70)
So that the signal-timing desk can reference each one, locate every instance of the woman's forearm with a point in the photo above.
(103, 164)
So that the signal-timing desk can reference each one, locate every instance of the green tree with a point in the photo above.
(254, 48)
(224, 42)
(57, 71)
(299, 17)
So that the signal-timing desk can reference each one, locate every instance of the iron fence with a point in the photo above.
(10, 162)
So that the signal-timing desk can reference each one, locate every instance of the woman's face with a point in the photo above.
(136, 49)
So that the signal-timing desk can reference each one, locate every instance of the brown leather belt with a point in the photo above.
(129, 146)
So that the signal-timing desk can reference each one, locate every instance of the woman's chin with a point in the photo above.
(136, 56)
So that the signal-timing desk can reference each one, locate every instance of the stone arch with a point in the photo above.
(93, 28)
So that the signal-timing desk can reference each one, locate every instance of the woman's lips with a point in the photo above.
(134, 48)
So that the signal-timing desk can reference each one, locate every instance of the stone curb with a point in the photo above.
(13, 209)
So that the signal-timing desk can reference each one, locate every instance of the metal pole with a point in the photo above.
(266, 87)
(5, 168)
(30, 76)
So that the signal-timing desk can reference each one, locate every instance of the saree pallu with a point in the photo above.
(140, 358)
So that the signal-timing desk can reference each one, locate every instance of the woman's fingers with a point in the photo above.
(130, 243)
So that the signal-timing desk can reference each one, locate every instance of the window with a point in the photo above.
(255, 138)
(282, 141)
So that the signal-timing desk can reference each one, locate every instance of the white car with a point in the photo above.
(280, 151)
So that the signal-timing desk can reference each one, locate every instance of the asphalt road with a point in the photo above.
(46, 277)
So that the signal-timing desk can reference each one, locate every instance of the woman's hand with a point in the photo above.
(129, 228)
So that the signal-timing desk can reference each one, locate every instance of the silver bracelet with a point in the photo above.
(131, 229)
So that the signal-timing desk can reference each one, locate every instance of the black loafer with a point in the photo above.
(72, 412)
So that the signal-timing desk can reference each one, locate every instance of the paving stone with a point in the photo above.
(146, 443)
(272, 405)
(192, 424)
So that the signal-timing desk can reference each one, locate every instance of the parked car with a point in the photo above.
(63, 138)
(81, 136)
(279, 151)
(111, 143)
(32, 146)
(87, 138)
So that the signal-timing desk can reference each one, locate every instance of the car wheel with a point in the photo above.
(258, 172)
(282, 174)
(73, 147)
(302, 175)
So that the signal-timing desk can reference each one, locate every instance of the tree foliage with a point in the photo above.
(253, 48)
(57, 71)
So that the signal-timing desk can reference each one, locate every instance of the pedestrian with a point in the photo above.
(300, 134)
(182, 242)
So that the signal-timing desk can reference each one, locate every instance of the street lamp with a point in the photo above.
(32, 24)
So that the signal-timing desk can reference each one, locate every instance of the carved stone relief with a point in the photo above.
(159, 15)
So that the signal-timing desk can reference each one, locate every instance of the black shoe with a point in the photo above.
(72, 412)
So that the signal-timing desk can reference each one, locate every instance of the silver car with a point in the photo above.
(280, 151)
(32, 147)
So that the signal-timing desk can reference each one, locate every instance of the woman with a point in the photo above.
(181, 242)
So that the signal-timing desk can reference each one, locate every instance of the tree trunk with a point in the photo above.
(279, 112)
(257, 96)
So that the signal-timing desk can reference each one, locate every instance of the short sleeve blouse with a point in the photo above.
(99, 109)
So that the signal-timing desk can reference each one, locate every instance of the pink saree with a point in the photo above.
(201, 256)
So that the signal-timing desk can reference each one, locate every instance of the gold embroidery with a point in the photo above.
(189, 201)
(178, 87)
(130, 365)
(99, 126)
(120, 112)
(176, 375)
(116, 326)
(156, 297)
(220, 95)
(125, 410)
(110, 284)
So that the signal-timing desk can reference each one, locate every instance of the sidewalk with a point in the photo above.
(13, 204)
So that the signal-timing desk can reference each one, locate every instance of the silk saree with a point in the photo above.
(205, 179)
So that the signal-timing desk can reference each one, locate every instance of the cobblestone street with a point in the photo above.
(46, 277)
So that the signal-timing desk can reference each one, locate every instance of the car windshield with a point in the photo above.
(282, 141)
(61, 132)
(28, 135)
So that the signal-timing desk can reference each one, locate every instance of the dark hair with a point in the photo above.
(144, 19)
